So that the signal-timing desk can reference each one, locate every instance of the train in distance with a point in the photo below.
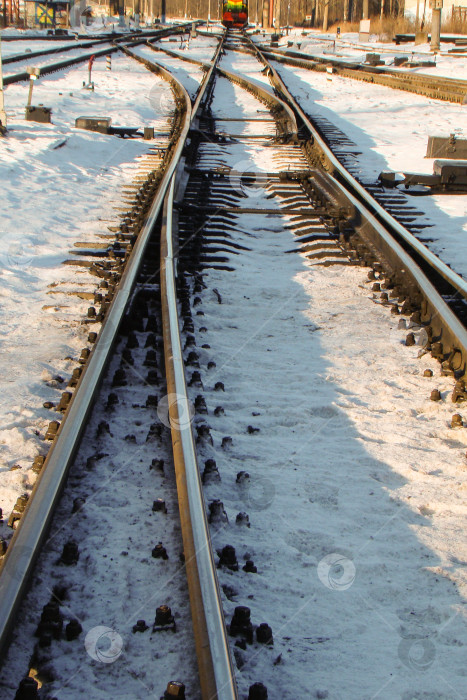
(235, 13)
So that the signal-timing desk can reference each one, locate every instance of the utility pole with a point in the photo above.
(365, 9)
(436, 7)
(2, 105)
(265, 14)
(326, 14)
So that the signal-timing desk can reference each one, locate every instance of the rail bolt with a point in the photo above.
(192, 360)
(410, 339)
(151, 341)
(164, 619)
(219, 386)
(151, 359)
(27, 689)
(196, 380)
(210, 473)
(241, 623)
(435, 395)
(249, 567)
(200, 403)
(132, 341)
(159, 506)
(160, 552)
(38, 463)
(70, 554)
(264, 634)
(78, 503)
(140, 626)
(258, 691)
(217, 512)
(376, 287)
(242, 477)
(428, 373)
(456, 421)
(243, 519)
(175, 689)
(73, 630)
(119, 378)
(226, 442)
(152, 401)
(228, 558)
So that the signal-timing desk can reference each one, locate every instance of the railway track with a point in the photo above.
(448, 89)
(11, 78)
(253, 166)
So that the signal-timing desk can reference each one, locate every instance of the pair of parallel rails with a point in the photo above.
(401, 255)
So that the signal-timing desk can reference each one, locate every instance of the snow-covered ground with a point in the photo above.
(347, 47)
(59, 186)
(188, 74)
(18, 66)
(356, 492)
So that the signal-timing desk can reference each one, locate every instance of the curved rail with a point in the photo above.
(372, 217)
(19, 560)
(448, 89)
(214, 660)
(60, 65)
(336, 168)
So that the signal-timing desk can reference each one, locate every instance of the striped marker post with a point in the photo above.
(108, 63)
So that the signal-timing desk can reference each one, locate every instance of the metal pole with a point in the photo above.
(365, 9)
(2, 104)
(326, 14)
(435, 29)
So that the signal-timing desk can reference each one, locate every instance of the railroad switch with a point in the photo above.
(140, 626)
(164, 620)
(257, 691)
(160, 552)
(70, 554)
(27, 690)
(73, 630)
(175, 689)
(228, 558)
(240, 624)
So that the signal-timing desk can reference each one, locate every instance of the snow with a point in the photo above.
(59, 186)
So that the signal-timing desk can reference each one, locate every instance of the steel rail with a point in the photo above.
(60, 65)
(374, 223)
(17, 567)
(335, 167)
(214, 659)
(448, 89)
